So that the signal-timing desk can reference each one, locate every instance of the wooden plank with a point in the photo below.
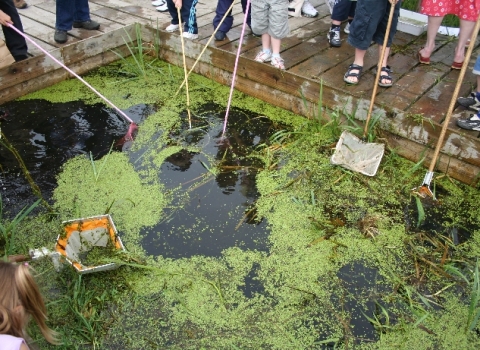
(97, 45)
(458, 168)
(286, 82)
(54, 75)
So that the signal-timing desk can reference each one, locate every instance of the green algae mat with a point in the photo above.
(347, 262)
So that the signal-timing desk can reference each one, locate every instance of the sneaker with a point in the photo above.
(220, 35)
(278, 62)
(20, 4)
(263, 56)
(89, 25)
(471, 123)
(333, 37)
(308, 10)
(162, 8)
(158, 3)
(190, 36)
(172, 28)
(347, 28)
(60, 36)
(471, 102)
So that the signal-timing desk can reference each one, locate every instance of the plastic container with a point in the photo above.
(412, 22)
(80, 236)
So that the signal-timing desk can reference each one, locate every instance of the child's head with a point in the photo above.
(20, 298)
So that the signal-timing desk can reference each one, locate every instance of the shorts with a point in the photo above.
(270, 16)
(476, 67)
(370, 23)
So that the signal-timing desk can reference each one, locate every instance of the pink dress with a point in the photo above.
(463, 9)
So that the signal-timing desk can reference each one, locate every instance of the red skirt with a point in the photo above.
(463, 9)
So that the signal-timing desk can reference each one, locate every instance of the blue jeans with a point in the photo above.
(69, 11)
(344, 9)
(222, 7)
(188, 13)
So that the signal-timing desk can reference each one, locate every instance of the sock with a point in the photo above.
(477, 94)
(350, 20)
(276, 55)
(335, 27)
(268, 51)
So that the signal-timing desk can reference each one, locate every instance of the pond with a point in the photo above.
(254, 240)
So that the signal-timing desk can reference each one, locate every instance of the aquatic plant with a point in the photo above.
(308, 288)
(8, 228)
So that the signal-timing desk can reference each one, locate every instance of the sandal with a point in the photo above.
(423, 59)
(387, 77)
(350, 74)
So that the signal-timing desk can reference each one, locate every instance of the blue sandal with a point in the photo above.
(387, 77)
(349, 74)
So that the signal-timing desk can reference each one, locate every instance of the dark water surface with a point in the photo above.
(46, 135)
(210, 220)
(214, 217)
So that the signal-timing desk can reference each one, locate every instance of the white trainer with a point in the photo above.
(263, 56)
(190, 36)
(158, 2)
(278, 62)
(347, 28)
(162, 8)
(172, 28)
(308, 10)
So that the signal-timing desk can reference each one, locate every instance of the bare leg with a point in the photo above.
(432, 30)
(266, 41)
(466, 29)
(276, 43)
(359, 55)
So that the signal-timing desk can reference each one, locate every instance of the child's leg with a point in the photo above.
(276, 44)
(385, 77)
(259, 17)
(466, 28)
(172, 10)
(432, 30)
(189, 16)
(222, 7)
(266, 43)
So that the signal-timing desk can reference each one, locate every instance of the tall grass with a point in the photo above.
(8, 228)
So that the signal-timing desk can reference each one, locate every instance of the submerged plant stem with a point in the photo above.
(36, 190)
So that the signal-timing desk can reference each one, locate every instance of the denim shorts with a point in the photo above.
(370, 23)
(476, 67)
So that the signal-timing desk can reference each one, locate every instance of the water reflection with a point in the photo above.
(213, 217)
(47, 134)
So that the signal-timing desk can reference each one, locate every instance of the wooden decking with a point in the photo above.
(413, 109)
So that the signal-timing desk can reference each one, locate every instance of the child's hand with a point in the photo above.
(5, 19)
(178, 3)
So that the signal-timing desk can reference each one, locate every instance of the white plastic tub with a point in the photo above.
(412, 22)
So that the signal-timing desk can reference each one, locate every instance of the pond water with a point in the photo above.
(335, 260)
(48, 134)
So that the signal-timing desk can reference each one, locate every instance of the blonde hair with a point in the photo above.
(19, 299)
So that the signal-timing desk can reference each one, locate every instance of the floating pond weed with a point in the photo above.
(291, 294)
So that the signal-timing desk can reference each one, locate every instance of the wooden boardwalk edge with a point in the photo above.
(411, 138)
